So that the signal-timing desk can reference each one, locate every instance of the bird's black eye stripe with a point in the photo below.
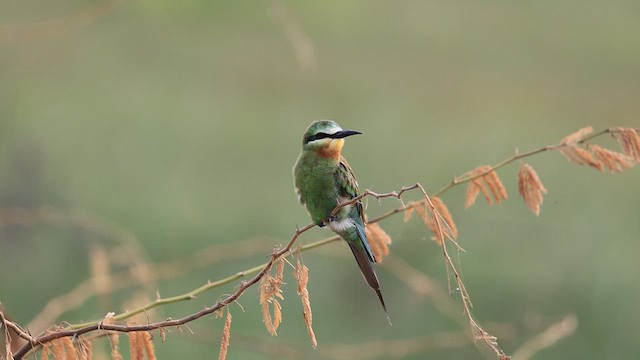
(317, 136)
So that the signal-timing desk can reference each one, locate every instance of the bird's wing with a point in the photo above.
(348, 189)
(348, 186)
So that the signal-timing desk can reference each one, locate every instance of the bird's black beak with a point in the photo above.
(344, 133)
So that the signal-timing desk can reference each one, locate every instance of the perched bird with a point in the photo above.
(323, 179)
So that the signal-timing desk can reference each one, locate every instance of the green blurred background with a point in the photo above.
(180, 121)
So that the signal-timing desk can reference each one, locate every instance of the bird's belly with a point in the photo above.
(340, 226)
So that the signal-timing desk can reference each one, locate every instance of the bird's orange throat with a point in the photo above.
(332, 149)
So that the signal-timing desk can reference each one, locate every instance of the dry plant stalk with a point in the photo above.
(86, 349)
(136, 347)
(301, 274)
(226, 336)
(280, 273)
(140, 343)
(629, 139)
(45, 352)
(270, 289)
(147, 341)
(569, 148)
(379, 241)
(409, 211)
(70, 350)
(580, 156)
(488, 184)
(614, 161)
(58, 349)
(7, 343)
(114, 338)
(575, 137)
(478, 331)
(530, 187)
(445, 215)
(427, 216)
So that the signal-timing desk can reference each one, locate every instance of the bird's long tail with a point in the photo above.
(367, 272)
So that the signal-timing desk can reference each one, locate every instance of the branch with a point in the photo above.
(462, 179)
(99, 227)
(79, 329)
(466, 178)
(8, 324)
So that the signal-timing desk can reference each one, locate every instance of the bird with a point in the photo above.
(323, 179)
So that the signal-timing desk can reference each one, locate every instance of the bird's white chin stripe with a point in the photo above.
(341, 225)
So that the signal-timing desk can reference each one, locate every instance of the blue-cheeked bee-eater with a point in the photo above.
(323, 179)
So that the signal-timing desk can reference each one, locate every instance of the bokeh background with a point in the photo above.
(172, 126)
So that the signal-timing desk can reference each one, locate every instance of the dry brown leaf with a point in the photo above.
(487, 184)
(421, 210)
(629, 139)
(614, 161)
(379, 241)
(280, 271)
(265, 299)
(472, 194)
(408, 212)
(573, 138)
(277, 314)
(494, 183)
(301, 274)
(530, 187)
(571, 151)
(580, 156)
(58, 349)
(226, 337)
(446, 220)
(445, 215)
(136, 346)
(45, 352)
(270, 288)
(424, 212)
(86, 349)
(478, 182)
(115, 352)
(70, 350)
(147, 341)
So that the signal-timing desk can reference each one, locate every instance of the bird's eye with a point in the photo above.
(316, 136)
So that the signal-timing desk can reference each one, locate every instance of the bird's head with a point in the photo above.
(326, 138)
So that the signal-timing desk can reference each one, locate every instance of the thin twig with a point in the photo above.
(8, 324)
